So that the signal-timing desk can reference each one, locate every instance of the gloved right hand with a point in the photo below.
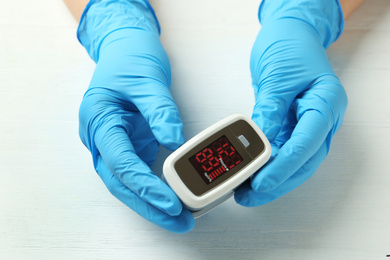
(300, 102)
(128, 110)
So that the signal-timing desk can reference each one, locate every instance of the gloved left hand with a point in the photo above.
(300, 102)
(128, 109)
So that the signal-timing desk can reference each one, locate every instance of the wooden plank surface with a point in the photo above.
(53, 205)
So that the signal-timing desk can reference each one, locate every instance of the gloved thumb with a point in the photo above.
(162, 114)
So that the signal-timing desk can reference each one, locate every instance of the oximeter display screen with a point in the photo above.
(216, 159)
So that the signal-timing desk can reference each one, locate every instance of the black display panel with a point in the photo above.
(192, 178)
(215, 159)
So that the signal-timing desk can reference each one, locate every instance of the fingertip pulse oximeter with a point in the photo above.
(207, 169)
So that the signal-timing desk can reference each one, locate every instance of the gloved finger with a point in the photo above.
(247, 197)
(112, 142)
(181, 223)
(306, 139)
(286, 130)
(144, 143)
(269, 113)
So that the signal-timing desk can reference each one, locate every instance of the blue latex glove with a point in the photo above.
(300, 103)
(128, 110)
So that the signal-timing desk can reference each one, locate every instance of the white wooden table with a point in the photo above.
(54, 206)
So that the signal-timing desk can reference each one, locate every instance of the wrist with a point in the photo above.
(325, 17)
(102, 17)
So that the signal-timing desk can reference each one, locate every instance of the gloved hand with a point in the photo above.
(300, 102)
(128, 110)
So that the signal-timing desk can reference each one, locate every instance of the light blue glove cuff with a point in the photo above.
(102, 17)
(325, 16)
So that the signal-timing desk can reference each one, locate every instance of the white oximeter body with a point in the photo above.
(207, 169)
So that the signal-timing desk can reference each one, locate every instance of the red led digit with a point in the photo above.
(198, 156)
(210, 166)
(210, 153)
(232, 150)
(214, 162)
(222, 153)
(207, 166)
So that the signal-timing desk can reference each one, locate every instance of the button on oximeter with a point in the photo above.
(244, 141)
